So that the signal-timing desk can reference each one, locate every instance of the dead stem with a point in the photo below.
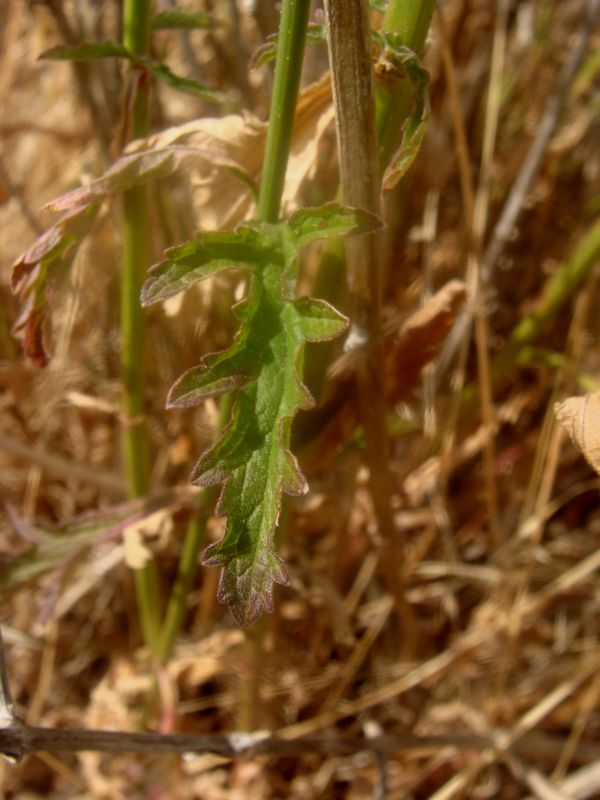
(350, 60)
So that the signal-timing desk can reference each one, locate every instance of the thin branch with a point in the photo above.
(18, 739)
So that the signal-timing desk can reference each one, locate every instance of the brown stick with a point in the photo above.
(351, 70)
(18, 740)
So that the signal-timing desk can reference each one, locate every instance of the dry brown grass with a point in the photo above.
(503, 587)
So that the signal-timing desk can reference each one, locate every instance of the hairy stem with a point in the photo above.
(136, 37)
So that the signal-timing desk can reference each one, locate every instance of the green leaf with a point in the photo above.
(206, 255)
(92, 51)
(254, 459)
(168, 20)
(331, 220)
(87, 51)
(264, 368)
(233, 368)
(404, 61)
(164, 74)
(315, 35)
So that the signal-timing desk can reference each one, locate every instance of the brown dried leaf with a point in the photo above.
(407, 351)
(580, 417)
(140, 167)
(30, 273)
(315, 115)
(226, 155)
(219, 202)
(417, 341)
(409, 348)
(135, 537)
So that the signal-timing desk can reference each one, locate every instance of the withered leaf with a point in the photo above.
(580, 417)
(407, 350)
(30, 273)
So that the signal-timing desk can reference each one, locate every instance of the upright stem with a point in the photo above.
(350, 61)
(286, 83)
(186, 572)
(410, 19)
(136, 37)
(294, 21)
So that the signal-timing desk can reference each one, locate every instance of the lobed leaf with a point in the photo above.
(135, 169)
(153, 158)
(311, 224)
(93, 51)
(252, 458)
(267, 52)
(206, 255)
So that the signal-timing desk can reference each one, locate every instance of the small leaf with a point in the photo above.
(92, 51)
(409, 346)
(176, 18)
(399, 61)
(267, 52)
(319, 321)
(206, 255)
(166, 75)
(312, 224)
(54, 546)
(87, 51)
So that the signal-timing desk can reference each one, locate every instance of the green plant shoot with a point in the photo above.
(263, 366)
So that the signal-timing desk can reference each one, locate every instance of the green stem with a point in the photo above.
(186, 573)
(410, 21)
(559, 289)
(188, 562)
(286, 83)
(136, 37)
